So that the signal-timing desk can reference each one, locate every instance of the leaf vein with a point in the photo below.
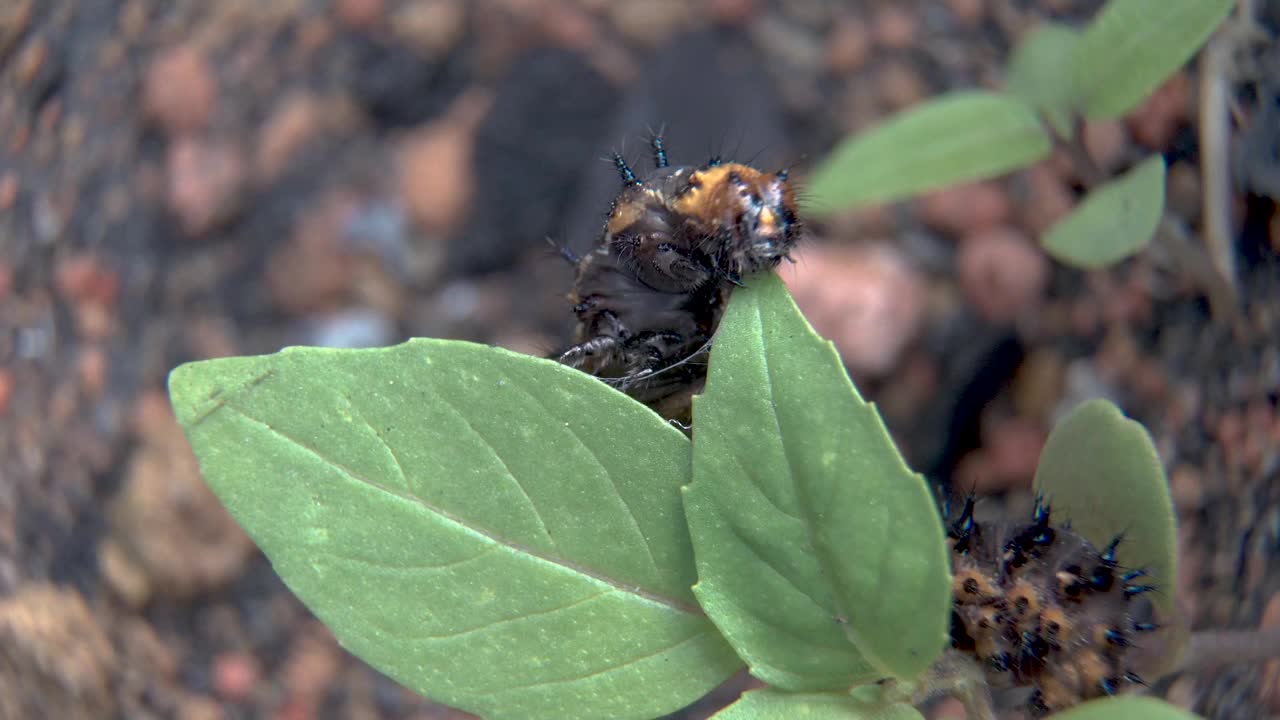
(601, 671)
(838, 642)
(613, 484)
(404, 479)
(755, 551)
(636, 591)
(506, 621)
(546, 530)
(395, 568)
(755, 485)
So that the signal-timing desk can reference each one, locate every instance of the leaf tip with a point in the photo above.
(189, 389)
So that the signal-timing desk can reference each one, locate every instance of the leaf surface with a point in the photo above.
(771, 704)
(956, 138)
(1133, 46)
(1100, 470)
(1115, 221)
(497, 532)
(820, 554)
(1037, 70)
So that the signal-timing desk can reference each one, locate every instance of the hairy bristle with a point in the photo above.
(1039, 605)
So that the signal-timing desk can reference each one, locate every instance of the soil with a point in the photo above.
(185, 179)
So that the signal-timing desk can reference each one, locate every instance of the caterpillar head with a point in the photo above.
(747, 217)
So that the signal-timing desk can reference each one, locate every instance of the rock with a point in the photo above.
(235, 674)
(433, 27)
(360, 14)
(56, 660)
(848, 46)
(436, 182)
(1158, 118)
(6, 389)
(650, 24)
(732, 12)
(1002, 274)
(91, 369)
(15, 18)
(1186, 485)
(1106, 142)
(295, 121)
(83, 278)
(312, 665)
(868, 300)
(1006, 461)
(29, 61)
(164, 523)
(180, 90)
(1048, 198)
(8, 190)
(1270, 690)
(968, 12)
(893, 26)
(964, 209)
(900, 84)
(206, 179)
(313, 270)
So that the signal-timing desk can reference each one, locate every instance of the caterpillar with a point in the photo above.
(649, 296)
(1038, 605)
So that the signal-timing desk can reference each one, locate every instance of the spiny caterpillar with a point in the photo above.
(1038, 605)
(676, 242)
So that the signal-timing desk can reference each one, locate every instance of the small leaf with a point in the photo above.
(1100, 470)
(1115, 221)
(771, 704)
(465, 520)
(1128, 707)
(1037, 72)
(809, 530)
(1133, 46)
(959, 137)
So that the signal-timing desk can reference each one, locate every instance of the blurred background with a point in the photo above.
(182, 179)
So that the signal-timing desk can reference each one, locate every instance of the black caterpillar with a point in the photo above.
(1038, 605)
(676, 242)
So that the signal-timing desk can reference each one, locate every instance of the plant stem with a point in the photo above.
(1215, 138)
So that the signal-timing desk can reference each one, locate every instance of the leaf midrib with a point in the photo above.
(856, 646)
(463, 523)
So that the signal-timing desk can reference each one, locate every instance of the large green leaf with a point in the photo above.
(1100, 470)
(1133, 46)
(959, 137)
(1116, 220)
(498, 532)
(1038, 70)
(774, 705)
(809, 530)
(1128, 707)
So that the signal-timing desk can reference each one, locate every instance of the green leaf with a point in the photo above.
(1133, 46)
(771, 704)
(1115, 221)
(808, 529)
(1039, 74)
(1128, 707)
(959, 137)
(1100, 470)
(497, 532)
